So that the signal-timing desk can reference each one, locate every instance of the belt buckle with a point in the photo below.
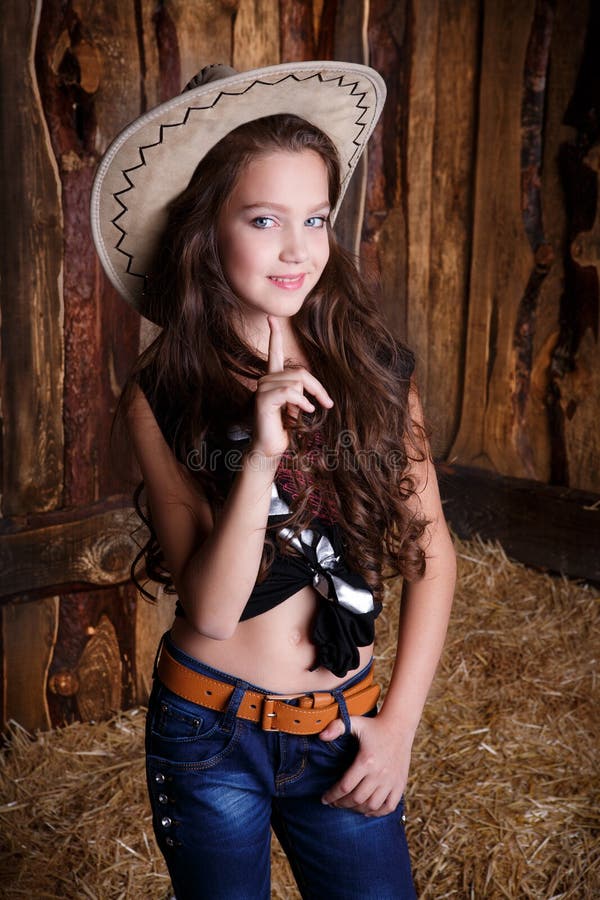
(268, 715)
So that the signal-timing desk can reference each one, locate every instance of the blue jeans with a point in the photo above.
(218, 783)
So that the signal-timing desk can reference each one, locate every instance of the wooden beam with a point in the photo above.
(29, 636)
(61, 553)
(546, 526)
(256, 34)
(502, 258)
(32, 365)
(350, 44)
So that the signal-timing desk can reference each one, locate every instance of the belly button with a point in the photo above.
(295, 637)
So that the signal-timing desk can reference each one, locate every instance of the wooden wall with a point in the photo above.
(481, 221)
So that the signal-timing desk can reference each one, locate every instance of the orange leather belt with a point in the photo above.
(312, 714)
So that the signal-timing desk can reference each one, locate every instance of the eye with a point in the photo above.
(263, 222)
(316, 222)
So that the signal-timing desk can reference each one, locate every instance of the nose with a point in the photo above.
(293, 248)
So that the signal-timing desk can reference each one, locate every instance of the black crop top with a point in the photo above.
(346, 611)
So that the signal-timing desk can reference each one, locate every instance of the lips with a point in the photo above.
(287, 282)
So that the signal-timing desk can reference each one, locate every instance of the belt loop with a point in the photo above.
(344, 715)
(157, 656)
(229, 718)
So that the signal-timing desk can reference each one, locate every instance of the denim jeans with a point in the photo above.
(218, 783)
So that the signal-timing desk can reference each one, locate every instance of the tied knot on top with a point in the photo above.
(332, 578)
(344, 620)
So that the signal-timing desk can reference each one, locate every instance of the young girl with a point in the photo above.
(286, 472)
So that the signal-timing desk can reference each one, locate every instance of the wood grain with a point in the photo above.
(28, 635)
(546, 438)
(202, 33)
(256, 34)
(88, 96)
(297, 30)
(502, 258)
(151, 622)
(32, 366)
(99, 673)
(451, 195)
(419, 163)
(94, 547)
(350, 45)
(384, 245)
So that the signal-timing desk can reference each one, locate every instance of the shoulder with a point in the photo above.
(146, 434)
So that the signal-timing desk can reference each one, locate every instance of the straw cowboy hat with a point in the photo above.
(152, 160)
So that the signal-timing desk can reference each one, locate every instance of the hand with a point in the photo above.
(375, 782)
(278, 388)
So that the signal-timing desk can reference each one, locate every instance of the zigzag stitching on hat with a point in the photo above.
(130, 184)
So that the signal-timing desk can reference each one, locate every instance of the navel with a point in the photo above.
(295, 637)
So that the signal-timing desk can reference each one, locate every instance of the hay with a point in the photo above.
(503, 793)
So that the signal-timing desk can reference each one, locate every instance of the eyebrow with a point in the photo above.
(277, 206)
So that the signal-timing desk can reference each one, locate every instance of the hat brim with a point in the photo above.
(152, 160)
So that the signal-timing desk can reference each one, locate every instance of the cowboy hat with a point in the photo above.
(152, 160)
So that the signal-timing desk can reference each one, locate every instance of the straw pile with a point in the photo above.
(503, 793)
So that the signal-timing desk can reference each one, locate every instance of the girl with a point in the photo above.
(281, 444)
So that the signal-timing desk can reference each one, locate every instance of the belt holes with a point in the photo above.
(296, 721)
(208, 693)
(318, 721)
(253, 706)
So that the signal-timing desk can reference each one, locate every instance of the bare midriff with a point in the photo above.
(272, 651)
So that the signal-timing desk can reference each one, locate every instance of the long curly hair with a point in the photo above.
(365, 442)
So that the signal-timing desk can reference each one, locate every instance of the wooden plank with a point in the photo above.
(384, 235)
(324, 12)
(28, 635)
(419, 162)
(502, 257)
(93, 658)
(430, 67)
(151, 622)
(526, 313)
(555, 528)
(95, 683)
(92, 547)
(546, 439)
(201, 32)
(256, 34)
(31, 370)
(297, 30)
(451, 196)
(576, 370)
(350, 45)
(87, 64)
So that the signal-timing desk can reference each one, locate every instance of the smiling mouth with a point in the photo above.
(289, 282)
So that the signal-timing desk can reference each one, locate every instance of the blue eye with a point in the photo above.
(316, 222)
(263, 222)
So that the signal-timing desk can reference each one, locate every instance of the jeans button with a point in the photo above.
(162, 798)
(166, 822)
(169, 842)
(159, 778)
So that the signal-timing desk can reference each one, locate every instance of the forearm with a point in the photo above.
(219, 577)
(424, 615)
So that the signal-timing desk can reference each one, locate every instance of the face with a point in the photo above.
(273, 235)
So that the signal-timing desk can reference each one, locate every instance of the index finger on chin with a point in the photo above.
(275, 352)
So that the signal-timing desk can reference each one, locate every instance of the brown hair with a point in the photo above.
(368, 434)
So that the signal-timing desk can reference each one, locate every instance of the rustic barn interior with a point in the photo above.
(476, 208)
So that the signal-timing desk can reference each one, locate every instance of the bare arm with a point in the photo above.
(214, 564)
